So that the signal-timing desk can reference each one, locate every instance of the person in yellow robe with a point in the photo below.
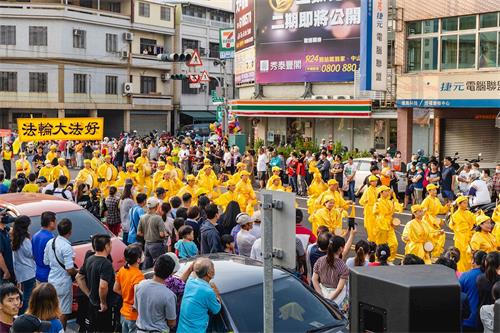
(416, 234)
(483, 239)
(461, 223)
(96, 160)
(276, 173)
(328, 216)
(144, 170)
(314, 190)
(170, 184)
(333, 189)
(368, 200)
(109, 173)
(171, 167)
(87, 175)
(496, 218)
(60, 169)
(274, 184)
(207, 179)
(384, 210)
(246, 193)
(433, 208)
(129, 174)
(240, 167)
(52, 154)
(158, 175)
(190, 188)
(46, 171)
(228, 196)
(23, 165)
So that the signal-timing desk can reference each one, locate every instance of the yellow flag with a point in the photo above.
(16, 146)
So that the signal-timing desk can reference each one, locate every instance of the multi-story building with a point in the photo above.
(197, 27)
(448, 70)
(63, 58)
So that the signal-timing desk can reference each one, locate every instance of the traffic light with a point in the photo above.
(178, 77)
(174, 57)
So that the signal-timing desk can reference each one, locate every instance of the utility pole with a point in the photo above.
(225, 113)
(267, 250)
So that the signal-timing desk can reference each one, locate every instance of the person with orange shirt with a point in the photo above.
(386, 173)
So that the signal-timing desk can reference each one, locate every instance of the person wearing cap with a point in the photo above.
(152, 228)
(333, 190)
(96, 160)
(87, 175)
(327, 215)
(190, 188)
(433, 208)
(158, 175)
(60, 169)
(240, 167)
(274, 184)
(384, 210)
(368, 200)
(461, 223)
(144, 170)
(230, 195)
(483, 239)
(46, 171)
(22, 165)
(416, 233)
(207, 179)
(244, 238)
(315, 189)
(130, 174)
(52, 154)
(108, 172)
(276, 171)
(246, 193)
(170, 166)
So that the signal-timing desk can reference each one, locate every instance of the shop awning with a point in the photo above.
(200, 115)
(302, 108)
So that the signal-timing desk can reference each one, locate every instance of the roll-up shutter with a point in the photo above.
(146, 122)
(469, 137)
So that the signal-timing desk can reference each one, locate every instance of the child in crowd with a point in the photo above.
(185, 246)
(227, 243)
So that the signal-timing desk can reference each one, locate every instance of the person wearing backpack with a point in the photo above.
(61, 191)
(135, 215)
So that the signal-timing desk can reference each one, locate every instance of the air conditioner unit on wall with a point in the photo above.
(342, 97)
(128, 36)
(127, 88)
(320, 97)
(124, 54)
(164, 77)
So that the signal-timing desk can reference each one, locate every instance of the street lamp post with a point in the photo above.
(225, 121)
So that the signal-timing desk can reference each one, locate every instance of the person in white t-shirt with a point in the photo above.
(478, 190)
(464, 179)
(244, 238)
(262, 162)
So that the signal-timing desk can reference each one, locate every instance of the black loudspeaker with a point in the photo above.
(418, 298)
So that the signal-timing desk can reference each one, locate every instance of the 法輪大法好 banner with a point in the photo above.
(43, 129)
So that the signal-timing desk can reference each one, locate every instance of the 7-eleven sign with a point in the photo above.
(227, 41)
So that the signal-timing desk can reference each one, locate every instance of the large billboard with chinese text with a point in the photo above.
(244, 19)
(45, 129)
(307, 40)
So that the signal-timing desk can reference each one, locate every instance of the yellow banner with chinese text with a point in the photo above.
(44, 129)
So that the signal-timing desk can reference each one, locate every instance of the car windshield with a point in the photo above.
(296, 309)
(84, 225)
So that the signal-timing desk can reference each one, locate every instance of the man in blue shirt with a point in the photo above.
(135, 215)
(200, 298)
(3, 187)
(468, 285)
(447, 180)
(39, 241)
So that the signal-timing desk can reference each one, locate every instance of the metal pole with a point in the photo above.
(224, 94)
(267, 251)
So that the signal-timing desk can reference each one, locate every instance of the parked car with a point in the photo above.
(363, 170)
(297, 307)
(198, 132)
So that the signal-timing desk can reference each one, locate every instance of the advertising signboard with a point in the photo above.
(244, 66)
(307, 40)
(244, 18)
(226, 43)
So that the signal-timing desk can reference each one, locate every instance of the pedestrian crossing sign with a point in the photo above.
(195, 60)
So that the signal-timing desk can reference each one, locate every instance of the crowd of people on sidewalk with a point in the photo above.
(169, 199)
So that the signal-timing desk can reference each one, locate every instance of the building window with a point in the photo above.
(8, 81)
(148, 84)
(38, 36)
(114, 7)
(165, 13)
(149, 47)
(143, 9)
(214, 50)
(188, 90)
(79, 38)
(190, 44)
(38, 82)
(463, 42)
(111, 85)
(7, 35)
(194, 11)
(80, 83)
(220, 16)
(111, 43)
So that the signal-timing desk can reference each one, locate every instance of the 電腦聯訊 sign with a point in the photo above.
(44, 129)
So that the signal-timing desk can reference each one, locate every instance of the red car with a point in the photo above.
(84, 223)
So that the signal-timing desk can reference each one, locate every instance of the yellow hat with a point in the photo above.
(332, 182)
(169, 158)
(107, 156)
(60, 159)
(241, 165)
(431, 187)
(201, 191)
(275, 168)
(415, 208)
(461, 199)
(274, 177)
(96, 152)
(144, 150)
(383, 188)
(53, 147)
(87, 161)
(231, 182)
(373, 178)
(129, 164)
(206, 161)
(244, 173)
(161, 163)
(190, 178)
(480, 219)
(22, 154)
(47, 162)
(327, 198)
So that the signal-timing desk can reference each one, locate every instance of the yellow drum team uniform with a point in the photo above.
(109, 173)
(60, 170)
(130, 174)
(46, 171)
(331, 218)
(87, 175)
(368, 200)
(23, 166)
(230, 195)
(246, 193)
(384, 210)
(433, 207)
(461, 223)
(144, 171)
(96, 160)
(416, 233)
(314, 190)
(158, 175)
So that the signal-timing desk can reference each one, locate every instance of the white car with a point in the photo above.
(363, 170)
